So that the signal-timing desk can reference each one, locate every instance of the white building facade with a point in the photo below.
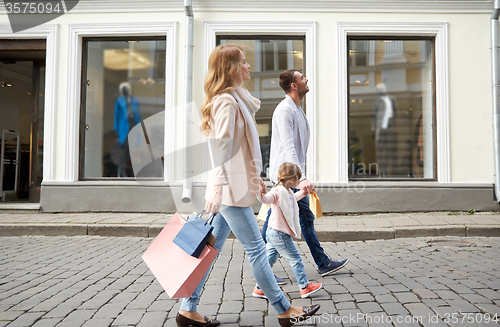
(400, 101)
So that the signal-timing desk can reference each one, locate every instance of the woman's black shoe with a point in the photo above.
(185, 321)
(308, 311)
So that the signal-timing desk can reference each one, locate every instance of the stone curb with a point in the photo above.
(355, 235)
(483, 230)
(151, 231)
(43, 229)
(120, 230)
(421, 231)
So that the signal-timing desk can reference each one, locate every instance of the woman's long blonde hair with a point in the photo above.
(224, 74)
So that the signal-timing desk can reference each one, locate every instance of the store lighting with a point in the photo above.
(124, 59)
(149, 81)
(6, 84)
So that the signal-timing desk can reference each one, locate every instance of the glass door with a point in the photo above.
(22, 88)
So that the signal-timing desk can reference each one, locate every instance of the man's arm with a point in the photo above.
(285, 122)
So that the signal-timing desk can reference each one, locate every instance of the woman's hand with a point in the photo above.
(214, 200)
(263, 187)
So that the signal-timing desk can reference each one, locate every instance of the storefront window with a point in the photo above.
(391, 108)
(123, 85)
(268, 57)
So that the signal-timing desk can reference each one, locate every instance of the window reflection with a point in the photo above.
(391, 108)
(268, 58)
(124, 85)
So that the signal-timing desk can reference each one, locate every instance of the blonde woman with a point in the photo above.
(234, 183)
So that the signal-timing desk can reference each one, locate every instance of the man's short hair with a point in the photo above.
(286, 80)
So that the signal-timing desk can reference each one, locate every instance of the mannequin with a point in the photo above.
(384, 127)
(127, 115)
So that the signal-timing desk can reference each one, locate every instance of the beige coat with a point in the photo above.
(231, 154)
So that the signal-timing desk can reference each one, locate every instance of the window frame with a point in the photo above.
(275, 29)
(434, 134)
(83, 108)
(77, 33)
(50, 33)
(271, 37)
(439, 31)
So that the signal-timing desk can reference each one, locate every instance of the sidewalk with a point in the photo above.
(335, 228)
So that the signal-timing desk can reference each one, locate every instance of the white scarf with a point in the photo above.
(291, 216)
(249, 106)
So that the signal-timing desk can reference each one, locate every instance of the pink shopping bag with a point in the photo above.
(177, 272)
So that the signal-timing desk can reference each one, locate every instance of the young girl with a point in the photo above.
(284, 224)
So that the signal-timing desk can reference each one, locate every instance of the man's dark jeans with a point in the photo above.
(306, 218)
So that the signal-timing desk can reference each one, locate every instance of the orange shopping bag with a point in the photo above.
(315, 205)
(177, 272)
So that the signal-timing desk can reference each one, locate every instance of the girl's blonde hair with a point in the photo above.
(224, 74)
(287, 171)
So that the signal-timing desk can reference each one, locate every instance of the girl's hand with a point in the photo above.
(214, 200)
(263, 187)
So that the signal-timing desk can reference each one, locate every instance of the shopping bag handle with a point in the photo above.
(210, 219)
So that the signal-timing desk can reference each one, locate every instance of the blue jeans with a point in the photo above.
(306, 218)
(282, 243)
(242, 222)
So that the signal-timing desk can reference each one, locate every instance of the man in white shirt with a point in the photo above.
(289, 143)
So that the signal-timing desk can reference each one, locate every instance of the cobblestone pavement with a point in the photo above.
(97, 281)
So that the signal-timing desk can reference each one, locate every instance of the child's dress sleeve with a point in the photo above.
(299, 195)
(271, 197)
